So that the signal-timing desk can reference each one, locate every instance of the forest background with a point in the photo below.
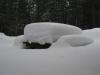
(16, 14)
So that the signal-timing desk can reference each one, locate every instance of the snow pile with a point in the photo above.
(93, 33)
(18, 42)
(6, 41)
(48, 32)
(2, 35)
(73, 41)
(62, 60)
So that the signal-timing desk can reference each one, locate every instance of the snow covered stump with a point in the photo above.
(46, 33)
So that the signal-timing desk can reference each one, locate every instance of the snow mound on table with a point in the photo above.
(45, 32)
(73, 41)
(93, 33)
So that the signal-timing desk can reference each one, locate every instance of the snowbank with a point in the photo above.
(2, 36)
(18, 42)
(84, 60)
(6, 41)
(73, 41)
(93, 33)
(45, 32)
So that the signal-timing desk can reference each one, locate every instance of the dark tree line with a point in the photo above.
(15, 14)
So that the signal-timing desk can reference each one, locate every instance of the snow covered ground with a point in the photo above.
(67, 60)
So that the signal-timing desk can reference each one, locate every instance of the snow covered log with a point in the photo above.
(46, 32)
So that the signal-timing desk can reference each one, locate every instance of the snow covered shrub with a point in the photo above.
(45, 32)
(73, 41)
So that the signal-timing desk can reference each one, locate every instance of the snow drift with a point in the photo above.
(18, 42)
(2, 35)
(84, 60)
(93, 33)
(45, 32)
(6, 41)
(73, 41)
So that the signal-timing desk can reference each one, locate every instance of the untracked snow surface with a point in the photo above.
(93, 33)
(18, 42)
(80, 60)
(73, 41)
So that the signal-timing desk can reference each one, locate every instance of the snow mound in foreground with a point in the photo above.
(73, 41)
(93, 33)
(45, 32)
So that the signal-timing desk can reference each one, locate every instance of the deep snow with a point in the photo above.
(45, 32)
(73, 41)
(82, 60)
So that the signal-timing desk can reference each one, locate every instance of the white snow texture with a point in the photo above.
(69, 55)
(73, 41)
(45, 32)
(18, 42)
(93, 33)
